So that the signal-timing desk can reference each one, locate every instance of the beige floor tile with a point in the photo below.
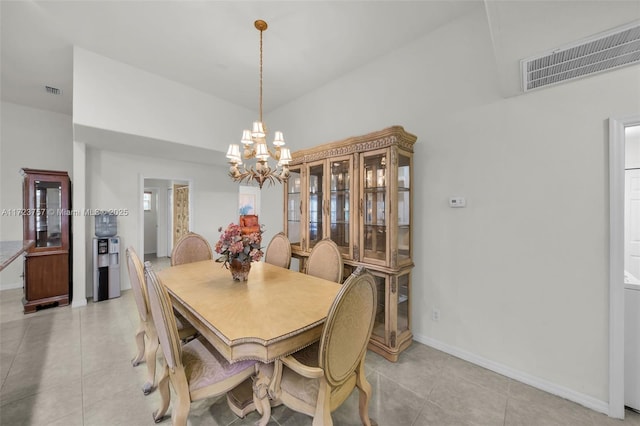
(45, 407)
(478, 405)
(524, 413)
(476, 374)
(126, 408)
(71, 367)
(8, 352)
(631, 418)
(535, 398)
(115, 379)
(36, 379)
(432, 415)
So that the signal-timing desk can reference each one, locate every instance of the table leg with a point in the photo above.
(261, 397)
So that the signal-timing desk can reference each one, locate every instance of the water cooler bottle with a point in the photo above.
(106, 268)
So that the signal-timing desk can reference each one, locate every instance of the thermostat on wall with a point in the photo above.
(457, 202)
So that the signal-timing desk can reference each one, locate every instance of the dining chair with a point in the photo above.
(279, 251)
(191, 247)
(147, 351)
(325, 261)
(195, 370)
(318, 379)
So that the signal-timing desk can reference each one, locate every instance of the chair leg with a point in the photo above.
(151, 353)
(140, 343)
(150, 356)
(364, 389)
(181, 407)
(322, 415)
(165, 395)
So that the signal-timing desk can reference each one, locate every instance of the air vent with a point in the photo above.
(53, 90)
(606, 51)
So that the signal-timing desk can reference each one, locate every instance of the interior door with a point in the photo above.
(180, 211)
(632, 226)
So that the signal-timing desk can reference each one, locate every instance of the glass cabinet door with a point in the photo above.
(316, 204)
(374, 208)
(294, 207)
(48, 213)
(340, 204)
(403, 303)
(379, 325)
(404, 209)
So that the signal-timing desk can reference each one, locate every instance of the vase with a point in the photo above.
(240, 269)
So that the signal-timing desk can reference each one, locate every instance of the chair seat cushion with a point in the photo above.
(205, 366)
(300, 387)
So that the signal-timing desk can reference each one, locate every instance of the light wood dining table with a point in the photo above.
(274, 313)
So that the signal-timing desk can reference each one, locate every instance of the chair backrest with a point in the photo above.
(249, 223)
(163, 318)
(138, 284)
(348, 327)
(191, 248)
(279, 251)
(325, 261)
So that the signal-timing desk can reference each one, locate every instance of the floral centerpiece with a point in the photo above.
(238, 250)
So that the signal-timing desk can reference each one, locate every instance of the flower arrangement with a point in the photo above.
(233, 245)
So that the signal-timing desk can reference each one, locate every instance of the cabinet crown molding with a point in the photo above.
(391, 136)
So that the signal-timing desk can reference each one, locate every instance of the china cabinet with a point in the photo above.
(358, 193)
(46, 215)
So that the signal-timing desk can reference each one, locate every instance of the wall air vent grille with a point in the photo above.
(613, 49)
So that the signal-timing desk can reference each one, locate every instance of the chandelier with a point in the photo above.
(254, 147)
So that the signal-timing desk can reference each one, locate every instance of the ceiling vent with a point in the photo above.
(53, 90)
(606, 51)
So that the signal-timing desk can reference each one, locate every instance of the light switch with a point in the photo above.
(457, 202)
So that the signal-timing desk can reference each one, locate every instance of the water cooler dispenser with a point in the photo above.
(106, 260)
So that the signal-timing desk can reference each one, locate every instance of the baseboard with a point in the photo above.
(10, 286)
(78, 302)
(542, 384)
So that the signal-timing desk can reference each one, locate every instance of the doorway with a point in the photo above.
(164, 216)
(619, 128)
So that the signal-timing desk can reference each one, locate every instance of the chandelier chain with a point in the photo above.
(261, 76)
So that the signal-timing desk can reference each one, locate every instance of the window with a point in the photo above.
(146, 201)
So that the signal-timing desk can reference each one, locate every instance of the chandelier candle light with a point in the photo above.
(254, 144)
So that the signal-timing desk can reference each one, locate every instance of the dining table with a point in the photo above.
(275, 313)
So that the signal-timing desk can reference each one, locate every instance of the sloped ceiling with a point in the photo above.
(213, 46)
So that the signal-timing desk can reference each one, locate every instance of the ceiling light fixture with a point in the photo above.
(254, 144)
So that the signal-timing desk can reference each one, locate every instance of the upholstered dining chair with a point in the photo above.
(146, 329)
(279, 251)
(195, 370)
(318, 379)
(191, 247)
(325, 261)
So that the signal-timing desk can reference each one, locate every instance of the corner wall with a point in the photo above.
(35, 139)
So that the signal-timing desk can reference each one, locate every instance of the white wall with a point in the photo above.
(520, 274)
(114, 183)
(35, 139)
(115, 96)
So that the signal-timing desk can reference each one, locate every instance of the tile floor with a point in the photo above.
(68, 367)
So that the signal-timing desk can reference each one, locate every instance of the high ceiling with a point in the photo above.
(213, 46)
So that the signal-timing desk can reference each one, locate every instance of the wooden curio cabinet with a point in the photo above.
(358, 193)
(46, 205)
